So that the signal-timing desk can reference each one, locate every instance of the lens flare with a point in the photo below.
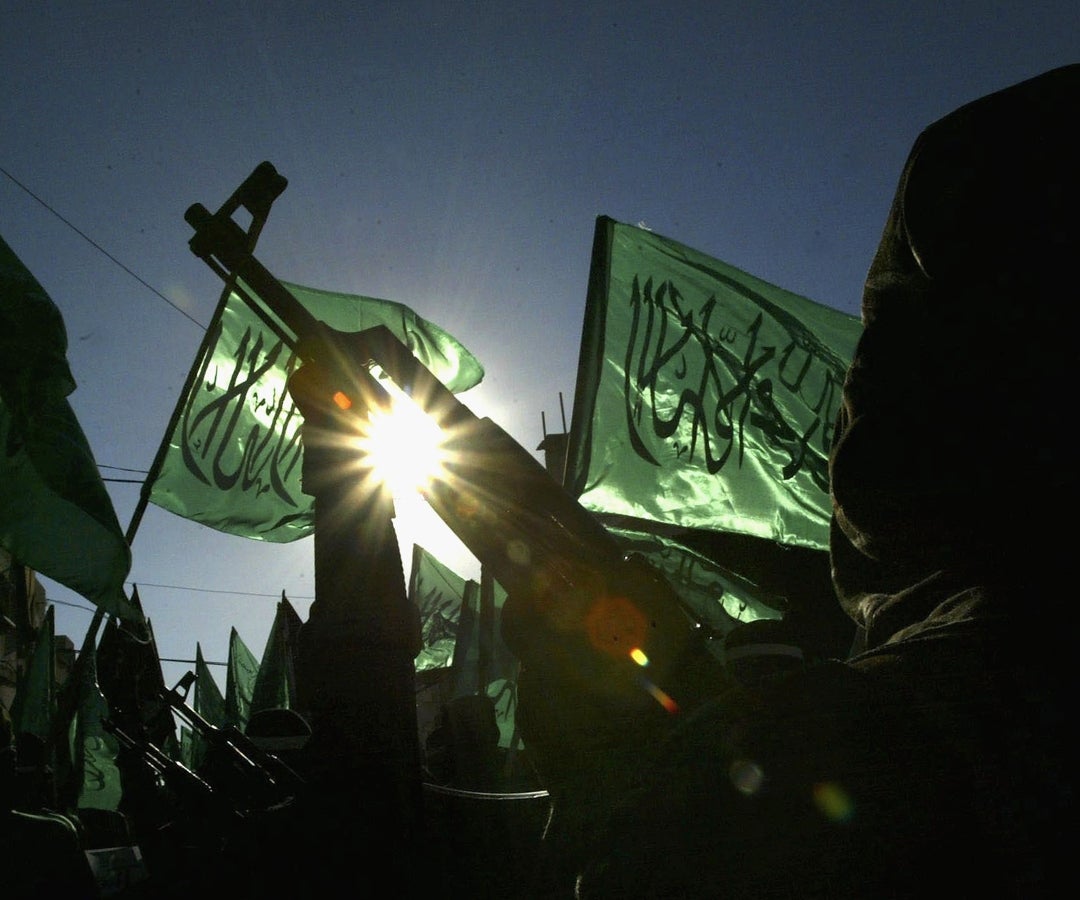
(403, 447)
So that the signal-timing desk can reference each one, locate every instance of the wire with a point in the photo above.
(180, 587)
(101, 249)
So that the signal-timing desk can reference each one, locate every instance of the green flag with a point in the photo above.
(438, 593)
(55, 515)
(34, 705)
(97, 782)
(718, 598)
(187, 751)
(275, 683)
(208, 702)
(705, 397)
(241, 671)
(232, 460)
(129, 674)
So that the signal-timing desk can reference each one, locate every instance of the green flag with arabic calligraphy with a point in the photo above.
(233, 458)
(94, 750)
(705, 397)
(438, 592)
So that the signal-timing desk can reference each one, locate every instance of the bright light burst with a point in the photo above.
(403, 446)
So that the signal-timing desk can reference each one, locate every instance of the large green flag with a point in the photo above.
(55, 515)
(705, 397)
(233, 458)
(275, 682)
(241, 672)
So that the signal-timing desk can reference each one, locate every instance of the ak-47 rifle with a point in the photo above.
(589, 622)
(251, 777)
(192, 793)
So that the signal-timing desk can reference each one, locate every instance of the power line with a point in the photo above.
(101, 249)
(179, 587)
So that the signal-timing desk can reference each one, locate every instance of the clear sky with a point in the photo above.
(453, 157)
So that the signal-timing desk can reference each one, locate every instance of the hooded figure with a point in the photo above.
(934, 760)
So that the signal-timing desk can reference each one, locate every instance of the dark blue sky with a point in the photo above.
(453, 157)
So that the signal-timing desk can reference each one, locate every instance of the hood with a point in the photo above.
(954, 449)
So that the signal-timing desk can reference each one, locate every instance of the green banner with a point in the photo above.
(241, 672)
(208, 702)
(94, 750)
(705, 397)
(275, 683)
(233, 458)
(55, 515)
(438, 593)
(34, 705)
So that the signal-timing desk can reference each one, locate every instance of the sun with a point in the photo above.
(403, 447)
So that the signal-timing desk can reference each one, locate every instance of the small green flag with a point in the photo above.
(34, 705)
(93, 749)
(705, 397)
(241, 672)
(129, 674)
(186, 753)
(55, 515)
(438, 593)
(208, 702)
(233, 458)
(275, 683)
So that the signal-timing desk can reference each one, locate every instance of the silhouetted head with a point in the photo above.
(954, 448)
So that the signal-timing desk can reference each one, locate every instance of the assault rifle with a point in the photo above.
(586, 620)
(250, 776)
(191, 792)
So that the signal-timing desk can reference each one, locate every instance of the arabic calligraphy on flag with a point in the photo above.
(706, 397)
(233, 458)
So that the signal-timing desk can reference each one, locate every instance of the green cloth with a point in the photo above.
(705, 397)
(718, 598)
(233, 458)
(93, 749)
(241, 672)
(34, 705)
(129, 674)
(208, 702)
(275, 682)
(55, 515)
(438, 593)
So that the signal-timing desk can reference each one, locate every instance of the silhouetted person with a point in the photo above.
(934, 761)
(41, 851)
